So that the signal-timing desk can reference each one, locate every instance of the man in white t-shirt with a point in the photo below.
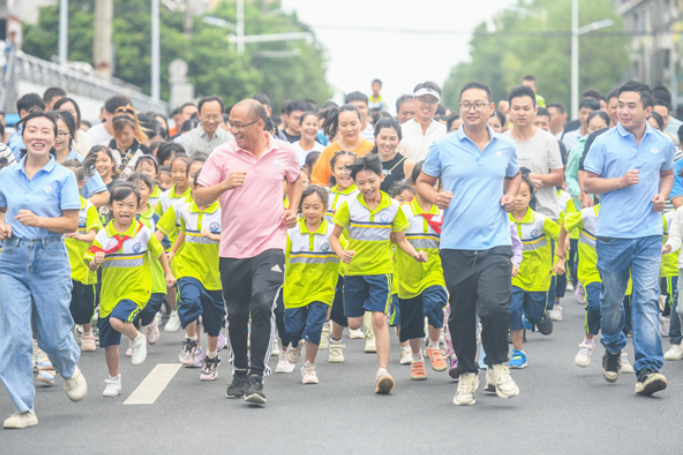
(422, 130)
(102, 134)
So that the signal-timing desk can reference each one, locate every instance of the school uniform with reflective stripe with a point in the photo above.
(536, 232)
(126, 273)
(585, 222)
(336, 200)
(168, 197)
(370, 233)
(311, 266)
(415, 277)
(150, 219)
(199, 256)
(87, 219)
(154, 198)
(565, 201)
(669, 261)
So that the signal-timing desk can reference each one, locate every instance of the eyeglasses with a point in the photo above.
(478, 107)
(234, 127)
(432, 101)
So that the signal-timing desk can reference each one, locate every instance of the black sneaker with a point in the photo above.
(545, 325)
(239, 385)
(649, 382)
(254, 393)
(611, 366)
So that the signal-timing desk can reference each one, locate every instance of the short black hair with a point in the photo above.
(371, 162)
(314, 189)
(658, 102)
(614, 93)
(355, 96)
(592, 93)
(263, 99)
(480, 86)
(602, 114)
(590, 103)
(403, 99)
(63, 101)
(296, 105)
(51, 93)
(122, 190)
(208, 99)
(529, 78)
(176, 111)
(440, 110)
(378, 81)
(640, 88)
(520, 91)
(661, 92)
(658, 118)
(543, 112)
(30, 100)
(116, 102)
(561, 108)
(450, 119)
(680, 134)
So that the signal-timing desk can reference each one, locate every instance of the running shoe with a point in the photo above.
(325, 337)
(436, 359)
(518, 360)
(308, 375)
(626, 366)
(384, 383)
(370, 345)
(356, 334)
(47, 376)
(490, 380)
(284, 365)
(88, 342)
(406, 355)
(583, 358)
(139, 347)
(209, 368)
(674, 353)
(76, 386)
(254, 393)
(545, 325)
(112, 387)
(664, 323)
(173, 323)
(556, 312)
(294, 353)
(238, 386)
(611, 366)
(187, 352)
(19, 421)
(527, 326)
(276, 348)
(78, 330)
(198, 360)
(152, 332)
(336, 352)
(453, 370)
(506, 387)
(418, 371)
(649, 382)
(467, 389)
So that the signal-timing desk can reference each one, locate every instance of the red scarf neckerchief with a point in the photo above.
(120, 239)
(435, 224)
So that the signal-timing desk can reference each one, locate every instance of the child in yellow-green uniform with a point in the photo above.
(147, 164)
(670, 323)
(123, 250)
(311, 274)
(529, 298)
(371, 218)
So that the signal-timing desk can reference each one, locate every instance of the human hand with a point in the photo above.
(508, 202)
(99, 258)
(443, 199)
(170, 281)
(421, 256)
(515, 270)
(630, 178)
(27, 218)
(290, 218)
(666, 249)
(658, 203)
(235, 180)
(5, 232)
(559, 266)
(347, 256)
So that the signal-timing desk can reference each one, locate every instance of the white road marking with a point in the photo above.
(155, 383)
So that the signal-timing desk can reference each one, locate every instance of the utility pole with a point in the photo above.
(155, 50)
(102, 55)
(575, 59)
(187, 23)
(240, 27)
(63, 32)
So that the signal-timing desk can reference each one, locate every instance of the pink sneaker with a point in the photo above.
(198, 360)
(129, 351)
(88, 342)
(152, 332)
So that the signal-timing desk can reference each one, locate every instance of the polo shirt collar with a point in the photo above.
(624, 133)
(303, 229)
(460, 134)
(148, 213)
(47, 168)
(272, 145)
(210, 209)
(384, 203)
(417, 210)
(175, 195)
(349, 190)
(528, 217)
(130, 232)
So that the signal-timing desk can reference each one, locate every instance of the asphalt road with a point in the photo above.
(561, 409)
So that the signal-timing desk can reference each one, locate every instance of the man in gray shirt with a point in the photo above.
(208, 135)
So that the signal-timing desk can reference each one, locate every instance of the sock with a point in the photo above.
(194, 338)
(433, 344)
(212, 355)
(587, 341)
(335, 341)
(87, 333)
(417, 357)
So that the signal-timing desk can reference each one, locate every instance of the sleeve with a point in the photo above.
(573, 222)
(554, 156)
(321, 170)
(400, 222)
(432, 164)
(670, 154)
(513, 165)
(571, 174)
(677, 190)
(94, 185)
(595, 159)
(292, 169)
(96, 244)
(93, 220)
(69, 198)
(168, 224)
(154, 246)
(183, 225)
(551, 228)
(159, 210)
(676, 232)
(517, 246)
(343, 216)
(212, 172)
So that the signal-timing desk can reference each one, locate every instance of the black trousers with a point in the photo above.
(478, 282)
(251, 287)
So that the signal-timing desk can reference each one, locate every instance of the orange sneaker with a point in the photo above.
(417, 371)
(436, 359)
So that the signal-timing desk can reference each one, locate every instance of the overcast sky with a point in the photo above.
(359, 51)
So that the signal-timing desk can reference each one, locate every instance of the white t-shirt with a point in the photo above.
(415, 144)
(301, 154)
(540, 154)
(97, 135)
(368, 133)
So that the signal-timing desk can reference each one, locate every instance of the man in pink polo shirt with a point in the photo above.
(247, 174)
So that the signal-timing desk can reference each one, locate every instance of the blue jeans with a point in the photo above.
(35, 280)
(642, 256)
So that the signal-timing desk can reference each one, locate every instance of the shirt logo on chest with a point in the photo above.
(654, 151)
(384, 217)
(534, 233)
(213, 227)
(47, 189)
(325, 248)
(276, 163)
(137, 246)
(81, 222)
(499, 155)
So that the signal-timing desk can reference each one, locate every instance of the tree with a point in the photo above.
(529, 45)
(215, 66)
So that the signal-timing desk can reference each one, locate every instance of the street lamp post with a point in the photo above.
(155, 51)
(63, 32)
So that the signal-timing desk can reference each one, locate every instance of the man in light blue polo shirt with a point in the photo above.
(480, 176)
(631, 167)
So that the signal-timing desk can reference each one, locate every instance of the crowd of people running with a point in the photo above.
(458, 231)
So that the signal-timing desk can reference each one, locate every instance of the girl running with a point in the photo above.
(147, 164)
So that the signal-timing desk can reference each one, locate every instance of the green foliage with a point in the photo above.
(529, 45)
(215, 66)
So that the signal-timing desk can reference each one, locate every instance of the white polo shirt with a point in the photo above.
(415, 143)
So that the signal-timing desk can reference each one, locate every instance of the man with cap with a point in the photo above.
(422, 130)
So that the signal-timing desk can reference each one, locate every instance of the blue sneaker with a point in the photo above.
(528, 325)
(518, 359)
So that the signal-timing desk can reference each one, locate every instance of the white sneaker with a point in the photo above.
(506, 387)
(664, 323)
(20, 421)
(406, 356)
(674, 353)
(173, 323)
(113, 387)
(308, 375)
(384, 382)
(325, 337)
(294, 354)
(370, 344)
(356, 334)
(139, 348)
(583, 358)
(78, 330)
(467, 388)
(76, 386)
(276, 348)
(283, 365)
(556, 313)
(336, 352)
(490, 380)
(626, 366)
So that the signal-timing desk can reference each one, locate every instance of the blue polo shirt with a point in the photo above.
(475, 220)
(93, 185)
(628, 212)
(51, 190)
(677, 190)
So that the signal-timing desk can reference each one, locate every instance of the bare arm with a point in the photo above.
(555, 178)
(343, 254)
(425, 187)
(403, 243)
(294, 195)
(593, 183)
(85, 238)
(561, 252)
(99, 199)
(206, 195)
(64, 224)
